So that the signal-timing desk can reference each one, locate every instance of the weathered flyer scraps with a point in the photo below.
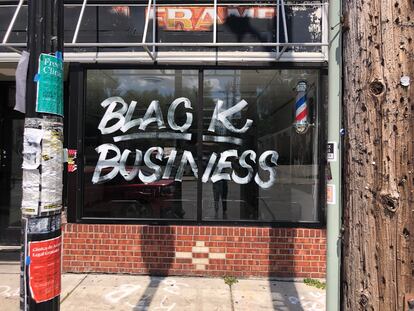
(52, 166)
(32, 148)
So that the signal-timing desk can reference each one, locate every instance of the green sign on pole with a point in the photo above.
(50, 85)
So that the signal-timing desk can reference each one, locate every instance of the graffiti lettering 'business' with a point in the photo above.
(118, 117)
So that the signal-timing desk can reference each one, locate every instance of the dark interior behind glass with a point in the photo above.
(265, 97)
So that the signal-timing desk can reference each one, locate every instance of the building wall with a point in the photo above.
(195, 250)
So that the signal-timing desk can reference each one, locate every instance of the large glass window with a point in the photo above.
(134, 142)
(18, 33)
(199, 26)
(202, 145)
(193, 22)
(273, 174)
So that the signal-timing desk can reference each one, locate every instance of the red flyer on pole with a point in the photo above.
(44, 269)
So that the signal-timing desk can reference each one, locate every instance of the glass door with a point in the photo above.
(11, 134)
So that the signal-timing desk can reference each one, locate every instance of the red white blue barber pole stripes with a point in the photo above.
(301, 108)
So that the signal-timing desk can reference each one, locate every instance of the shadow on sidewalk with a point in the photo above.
(284, 296)
(290, 261)
(147, 296)
(10, 255)
(157, 248)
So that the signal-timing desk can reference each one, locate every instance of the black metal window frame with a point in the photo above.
(75, 123)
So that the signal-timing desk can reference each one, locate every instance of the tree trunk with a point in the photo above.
(378, 240)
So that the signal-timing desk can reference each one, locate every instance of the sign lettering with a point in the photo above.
(200, 18)
(118, 117)
(50, 85)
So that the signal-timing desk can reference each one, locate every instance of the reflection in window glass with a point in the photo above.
(185, 24)
(304, 24)
(6, 13)
(247, 24)
(71, 16)
(18, 33)
(264, 170)
(88, 28)
(148, 153)
(140, 144)
(122, 23)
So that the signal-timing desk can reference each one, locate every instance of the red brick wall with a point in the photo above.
(194, 250)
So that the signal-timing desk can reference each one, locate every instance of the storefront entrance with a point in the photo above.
(11, 129)
(156, 147)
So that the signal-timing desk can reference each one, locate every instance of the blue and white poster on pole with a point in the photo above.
(50, 85)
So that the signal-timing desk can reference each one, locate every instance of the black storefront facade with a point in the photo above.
(196, 139)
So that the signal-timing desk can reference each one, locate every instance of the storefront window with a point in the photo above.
(304, 24)
(163, 144)
(122, 23)
(274, 170)
(271, 27)
(247, 23)
(88, 28)
(128, 172)
(18, 33)
(193, 22)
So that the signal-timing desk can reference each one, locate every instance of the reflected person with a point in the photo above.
(220, 190)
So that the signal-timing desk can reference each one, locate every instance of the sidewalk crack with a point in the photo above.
(73, 289)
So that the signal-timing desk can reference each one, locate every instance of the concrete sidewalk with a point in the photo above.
(145, 293)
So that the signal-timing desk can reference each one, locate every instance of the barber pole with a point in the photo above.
(301, 108)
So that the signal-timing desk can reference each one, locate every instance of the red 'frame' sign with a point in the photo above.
(44, 269)
(199, 18)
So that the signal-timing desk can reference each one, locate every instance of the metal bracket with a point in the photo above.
(78, 24)
(345, 22)
(10, 28)
(282, 6)
(144, 35)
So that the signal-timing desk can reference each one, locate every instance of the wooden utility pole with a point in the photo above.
(378, 237)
